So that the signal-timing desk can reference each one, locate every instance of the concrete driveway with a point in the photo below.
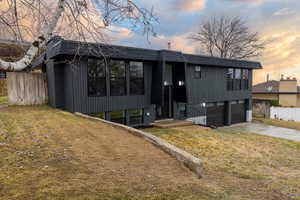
(268, 130)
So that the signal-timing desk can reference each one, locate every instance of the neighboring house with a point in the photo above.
(138, 86)
(285, 91)
(11, 50)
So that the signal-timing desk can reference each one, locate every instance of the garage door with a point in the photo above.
(238, 112)
(215, 115)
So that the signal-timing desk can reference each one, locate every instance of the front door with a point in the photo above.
(167, 108)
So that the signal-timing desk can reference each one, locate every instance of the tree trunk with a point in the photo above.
(27, 88)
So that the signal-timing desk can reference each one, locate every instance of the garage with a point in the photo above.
(238, 112)
(215, 114)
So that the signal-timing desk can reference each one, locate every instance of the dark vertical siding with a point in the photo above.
(59, 86)
(69, 97)
(51, 83)
(85, 104)
(212, 87)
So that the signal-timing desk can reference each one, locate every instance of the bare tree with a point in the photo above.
(82, 20)
(228, 37)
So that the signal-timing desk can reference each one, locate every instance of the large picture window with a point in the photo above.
(96, 77)
(136, 78)
(117, 78)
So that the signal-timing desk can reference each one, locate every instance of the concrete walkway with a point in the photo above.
(264, 129)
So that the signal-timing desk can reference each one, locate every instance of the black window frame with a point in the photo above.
(197, 73)
(97, 86)
(116, 81)
(136, 81)
(136, 119)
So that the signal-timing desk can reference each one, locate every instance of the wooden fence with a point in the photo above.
(3, 87)
(27, 88)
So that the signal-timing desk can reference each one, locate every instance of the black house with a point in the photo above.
(137, 86)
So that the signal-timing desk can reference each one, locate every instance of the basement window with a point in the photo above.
(118, 117)
(100, 115)
(136, 117)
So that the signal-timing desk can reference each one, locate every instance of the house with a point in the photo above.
(11, 50)
(136, 86)
(286, 91)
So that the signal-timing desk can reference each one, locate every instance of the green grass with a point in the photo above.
(280, 123)
(3, 100)
(240, 164)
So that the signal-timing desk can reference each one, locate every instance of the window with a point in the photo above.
(245, 74)
(238, 74)
(117, 78)
(136, 117)
(100, 115)
(118, 117)
(230, 73)
(136, 78)
(230, 78)
(197, 72)
(245, 82)
(96, 77)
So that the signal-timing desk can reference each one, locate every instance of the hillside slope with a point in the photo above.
(51, 154)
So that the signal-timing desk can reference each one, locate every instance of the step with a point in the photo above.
(171, 123)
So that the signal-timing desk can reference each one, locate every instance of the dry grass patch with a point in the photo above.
(3, 100)
(242, 165)
(51, 154)
(280, 123)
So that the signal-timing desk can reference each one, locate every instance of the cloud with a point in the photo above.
(254, 2)
(284, 12)
(189, 5)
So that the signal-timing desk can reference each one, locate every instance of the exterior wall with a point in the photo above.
(288, 99)
(288, 85)
(266, 96)
(212, 87)
(77, 99)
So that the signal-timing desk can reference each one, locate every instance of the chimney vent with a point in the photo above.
(169, 45)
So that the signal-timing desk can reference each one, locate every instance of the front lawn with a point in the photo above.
(240, 165)
(53, 155)
(280, 123)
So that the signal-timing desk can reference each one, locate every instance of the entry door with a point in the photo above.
(167, 108)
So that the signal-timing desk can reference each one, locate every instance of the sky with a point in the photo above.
(275, 20)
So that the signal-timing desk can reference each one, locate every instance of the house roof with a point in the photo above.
(60, 47)
(11, 50)
(269, 87)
